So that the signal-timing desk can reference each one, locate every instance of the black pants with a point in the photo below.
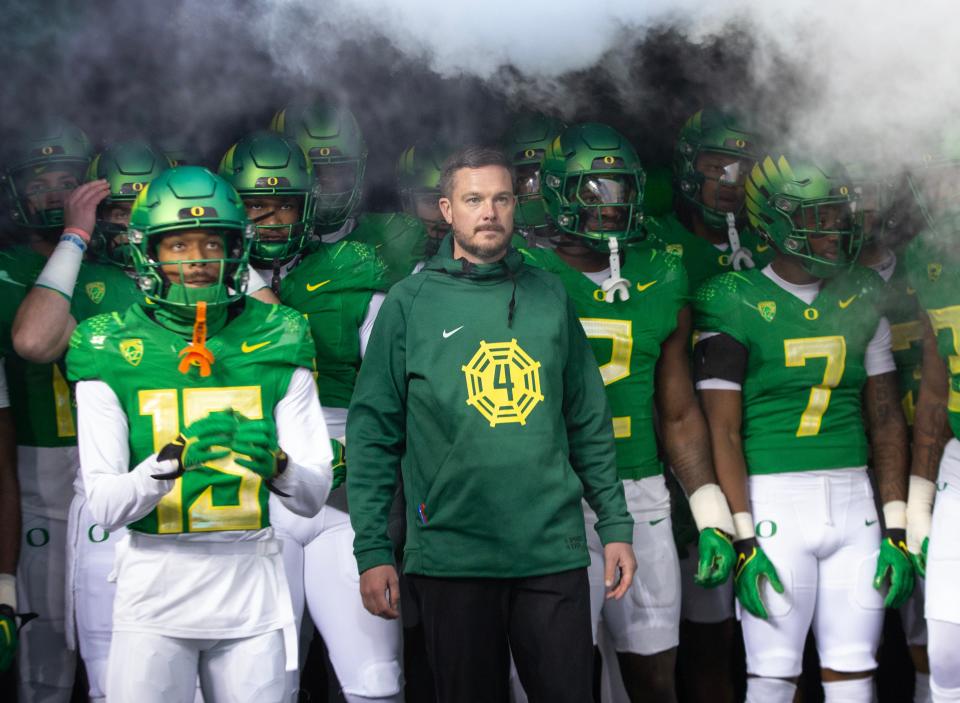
(472, 626)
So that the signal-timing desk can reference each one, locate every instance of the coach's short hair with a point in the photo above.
(473, 156)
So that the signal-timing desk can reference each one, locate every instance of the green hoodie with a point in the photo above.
(480, 387)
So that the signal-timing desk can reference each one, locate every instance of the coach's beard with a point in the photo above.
(481, 247)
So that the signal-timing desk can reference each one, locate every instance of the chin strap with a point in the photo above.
(739, 258)
(196, 353)
(616, 284)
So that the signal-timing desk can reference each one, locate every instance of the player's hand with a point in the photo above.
(752, 566)
(380, 591)
(894, 562)
(717, 558)
(618, 555)
(920, 559)
(339, 463)
(200, 443)
(255, 443)
(8, 636)
(80, 209)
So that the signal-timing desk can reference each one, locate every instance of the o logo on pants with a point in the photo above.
(38, 537)
(766, 528)
(104, 534)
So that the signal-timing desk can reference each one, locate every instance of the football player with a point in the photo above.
(632, 302)
(9, 518)
(712, 157)
(337, 289)
(191, 406)
(418, 182)
(789, 359)
(335, 145)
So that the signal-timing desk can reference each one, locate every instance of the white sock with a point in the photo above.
(943, 695)
(921, 688)
(852, 691)
(763, 689)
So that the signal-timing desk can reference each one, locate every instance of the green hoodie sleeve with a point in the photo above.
(593, 453)
(375, 435)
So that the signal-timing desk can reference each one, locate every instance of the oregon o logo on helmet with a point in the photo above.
(272, 181)
(47, 150)
(530, 153)
(766, 528)
(137, 187)
(844, 190)
(38, 537)
(740, 143)
(609, 160)
(104, 534)
(197, 211)
(324, 151)
(811, 314)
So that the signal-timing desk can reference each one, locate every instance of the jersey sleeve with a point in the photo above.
(717, 309)
(297, 340)
(82, 351)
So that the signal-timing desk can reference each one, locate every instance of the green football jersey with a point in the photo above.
(332, 288)
(701, 258)
(255, 356)
(399, 240)
(805, 371)
(39, 393)
(902, 310)
(626, 337)
(936, 278)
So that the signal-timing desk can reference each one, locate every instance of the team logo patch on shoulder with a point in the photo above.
(767, 309)
(132, 351)
(96, 291)
(934, 271)
(503, 382)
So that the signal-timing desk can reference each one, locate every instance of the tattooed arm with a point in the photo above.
(931, 429)
(888, 435)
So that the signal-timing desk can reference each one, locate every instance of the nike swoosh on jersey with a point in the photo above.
(643, 286)
(247, 348)
(313, 286)
(869, 522)
(844, 303)
(451, 332)
(657, 522)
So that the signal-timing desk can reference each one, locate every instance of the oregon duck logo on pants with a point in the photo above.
(503, 382)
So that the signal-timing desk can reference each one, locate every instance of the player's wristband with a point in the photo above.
(895, 515)
(743, 526)
(709, 508)
(62, 268)
(919, 511)
(78, 231)
(8, 590)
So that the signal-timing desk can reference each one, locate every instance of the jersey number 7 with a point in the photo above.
(834, 350)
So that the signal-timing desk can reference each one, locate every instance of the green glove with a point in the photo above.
(200, 443)
(753, 565)
(339, 464)
(716, 558)
(8, 636)
(920, 560)
(894, 562)
(255, 443)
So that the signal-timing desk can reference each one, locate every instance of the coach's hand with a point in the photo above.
(380, 590)
(618, 555)
(894, 559)
(752, 566)
(717, 558)
(80, 209)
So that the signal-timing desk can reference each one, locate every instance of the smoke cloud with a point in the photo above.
(847, 79)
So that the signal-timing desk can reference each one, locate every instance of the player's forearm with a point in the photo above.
(307, 488)
(687, 442)
(888, 436)
(722, 409)
(42, 326)
(115, 500)
(930, 435)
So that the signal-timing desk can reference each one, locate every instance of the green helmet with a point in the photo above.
(712, 131)
(53, 147)
(189, 198)
(332, 139)
(418, 181)
(128, 167)
(267, 164)
(525, 143)
(592, 185)
(790, 203)
(934, 178)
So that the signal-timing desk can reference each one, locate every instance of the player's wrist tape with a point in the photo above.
(62, 268)
(79, 232)
(743, 526)
(920, 497)
(8, 590)
(895, 515)
(709, 508)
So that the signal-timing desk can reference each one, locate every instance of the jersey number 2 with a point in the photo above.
(620, 332)
(834, 350)
(203, 515)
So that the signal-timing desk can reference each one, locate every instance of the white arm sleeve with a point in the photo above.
(367, 327)
(116, 496)
(4, 393)
(879, 357)
(302, 434)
